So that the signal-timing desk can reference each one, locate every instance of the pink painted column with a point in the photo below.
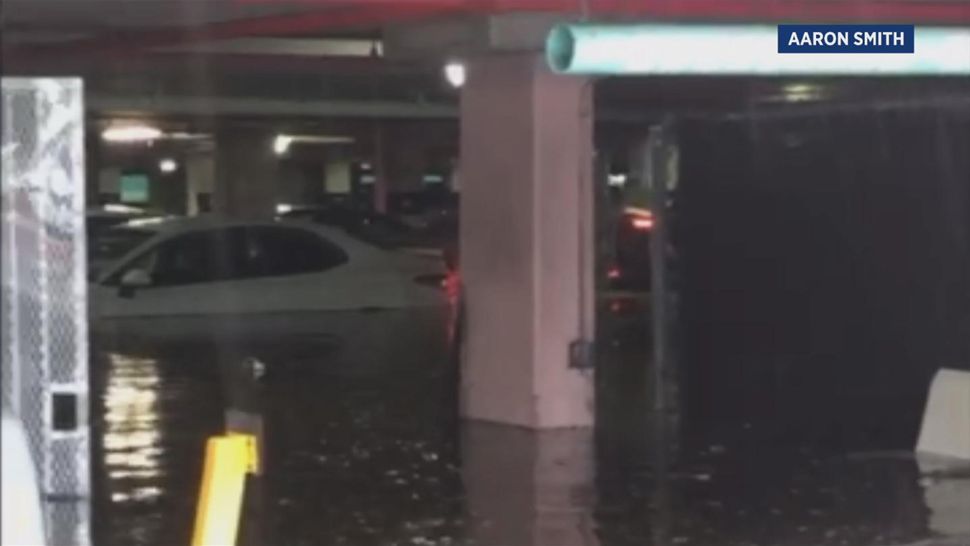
(526, 225)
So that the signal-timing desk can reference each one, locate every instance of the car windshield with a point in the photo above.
(114, 243)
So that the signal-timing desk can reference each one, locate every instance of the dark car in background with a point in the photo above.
(630, 268)
(99, 219)
(416, 228)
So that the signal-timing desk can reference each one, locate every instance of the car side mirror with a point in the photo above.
(132, 280)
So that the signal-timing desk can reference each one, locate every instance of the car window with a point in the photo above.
(192, 258)
(277, 251)
(112, 244)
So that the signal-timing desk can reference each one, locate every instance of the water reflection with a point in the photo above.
(132, 437)
(151, 420)
(528, 488)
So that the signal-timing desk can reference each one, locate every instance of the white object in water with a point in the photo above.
(946, 421)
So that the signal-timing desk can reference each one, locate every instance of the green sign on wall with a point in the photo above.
(134, 188)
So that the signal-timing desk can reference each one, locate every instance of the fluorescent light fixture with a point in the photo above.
(617, 180)
(455, 74)
(182, 135)
(323, 139)
(283, 208)
(282, 143)
(801, 92)
(168, 165)
(745, 50)
(131, 133)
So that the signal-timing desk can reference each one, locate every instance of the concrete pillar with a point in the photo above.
(246, 173)
(168, 190)
(405, 164)
(380, 171)
(337, 176)
(109, 181)
(526, 239)
(454, 178)
(297, 181)
(200, 175)
(527, 487)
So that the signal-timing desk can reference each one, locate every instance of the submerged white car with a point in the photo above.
(205, 273)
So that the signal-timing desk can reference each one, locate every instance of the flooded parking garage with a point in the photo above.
(382, 274)
(376, 455)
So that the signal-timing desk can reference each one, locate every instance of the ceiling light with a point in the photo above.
(455, 74)
(183, 135)
(168, 165)
(323, 139)
(131, 133)
(281, 144)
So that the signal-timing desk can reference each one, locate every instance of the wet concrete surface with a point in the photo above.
(375, 455)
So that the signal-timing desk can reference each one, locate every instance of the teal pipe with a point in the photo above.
(738, 50)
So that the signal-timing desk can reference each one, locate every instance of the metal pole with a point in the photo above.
(658, 170)
(656, 167)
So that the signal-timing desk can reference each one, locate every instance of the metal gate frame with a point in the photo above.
(44, 303)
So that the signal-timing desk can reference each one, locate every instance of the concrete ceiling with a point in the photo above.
(105, 15)
(332, 57)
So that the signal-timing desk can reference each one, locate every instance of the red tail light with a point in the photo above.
(642, 224)
(640, 219)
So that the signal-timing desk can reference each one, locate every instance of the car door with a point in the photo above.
(187, 275)
(288, 269)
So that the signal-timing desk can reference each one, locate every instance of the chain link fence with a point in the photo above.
(44, 320)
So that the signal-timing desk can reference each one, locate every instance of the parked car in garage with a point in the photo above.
(209, 274)
(108, 216)
(435, 234)
(107, 245)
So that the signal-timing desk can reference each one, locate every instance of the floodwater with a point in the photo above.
(373, 454)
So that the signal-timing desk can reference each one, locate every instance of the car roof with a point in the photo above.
(179, 224)
(170, 226)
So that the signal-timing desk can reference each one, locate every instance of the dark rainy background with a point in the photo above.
(825, 270)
